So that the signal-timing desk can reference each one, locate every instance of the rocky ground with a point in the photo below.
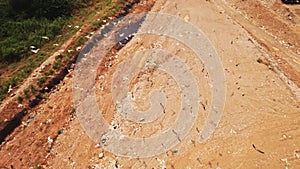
(258, 45)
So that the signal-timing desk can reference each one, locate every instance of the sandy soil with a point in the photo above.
(260, 123)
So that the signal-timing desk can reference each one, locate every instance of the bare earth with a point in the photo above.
(258, 44)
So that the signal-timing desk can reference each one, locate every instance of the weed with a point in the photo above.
(41, 81)
(26, 93)
(49, 72)
(73, 111)
(57, 64)
(20, 99)
(33, 89)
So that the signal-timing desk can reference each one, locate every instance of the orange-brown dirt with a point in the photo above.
(258, 44)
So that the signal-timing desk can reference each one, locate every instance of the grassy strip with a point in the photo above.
(21, 70)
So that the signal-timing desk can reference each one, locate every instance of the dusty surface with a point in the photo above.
(260, 124)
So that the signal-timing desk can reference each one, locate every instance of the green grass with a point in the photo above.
(19, 99)
(32, 30)
(41, 81)
(26, 93)
(32, 89)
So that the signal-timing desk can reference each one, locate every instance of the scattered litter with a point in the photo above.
(186, 18)
(232, 131)
(162, 163)
(50, 141)
(286, 162)
(97, 145)
(76, 27)
(35, 51)
(20, 106)
(60, 131)
(101, 155)
(48, 121)
(45, 37)
(32, 117)
(69, 26)
(24, 124)
(257, 149)
(78, 48)
(276, 49)
(175, 151)
(70, 50)
(9, 89)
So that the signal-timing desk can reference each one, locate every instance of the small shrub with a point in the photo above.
(56, 64)
(49, 72)
(33, 89)
(73, 111)
(2, 97)
(41, 81)
(80, 41)
(20, 99)
(26, 93)
(59, 57)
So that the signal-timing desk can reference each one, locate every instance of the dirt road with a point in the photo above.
(259, 126)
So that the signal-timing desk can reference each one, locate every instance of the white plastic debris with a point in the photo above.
(78, 48)
(232, 131)
(162, 163)
(50, 141)
(101, 77)
(9, 89)
(101, 155)
(35, 51)
(45, 37)
(186, 18)
(76, 27)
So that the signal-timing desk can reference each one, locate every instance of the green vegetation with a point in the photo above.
(49, 72)
(26, 23)
(26, 93)
(73, 110)
(20, 99)
(32, 88)
(41, 81)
